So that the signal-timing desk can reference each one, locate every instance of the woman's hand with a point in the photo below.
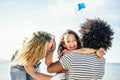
(53, 47)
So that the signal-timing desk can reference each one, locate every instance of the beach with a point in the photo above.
(112, 71)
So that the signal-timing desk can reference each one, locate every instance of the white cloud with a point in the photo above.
(61, 9)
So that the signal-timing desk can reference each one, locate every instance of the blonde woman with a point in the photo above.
(24, 64)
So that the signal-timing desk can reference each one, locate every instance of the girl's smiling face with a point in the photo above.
(70, 42)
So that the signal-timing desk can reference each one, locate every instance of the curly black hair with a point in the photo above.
(96, 34)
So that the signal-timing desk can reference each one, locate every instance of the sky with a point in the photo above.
(19, 18)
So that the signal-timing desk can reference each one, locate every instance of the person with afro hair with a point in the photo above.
(96, 33)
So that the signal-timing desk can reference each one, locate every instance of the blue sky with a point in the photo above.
(19, 18)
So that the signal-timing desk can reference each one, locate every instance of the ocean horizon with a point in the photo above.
(112, 70)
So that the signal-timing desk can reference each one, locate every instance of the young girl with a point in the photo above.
(69, 41)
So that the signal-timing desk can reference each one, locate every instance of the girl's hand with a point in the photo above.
(100, 53)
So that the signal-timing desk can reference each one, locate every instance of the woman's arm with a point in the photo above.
(37, 76)
(48, 59)
(49, 55)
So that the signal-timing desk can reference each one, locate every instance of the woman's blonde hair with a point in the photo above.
(33, 50)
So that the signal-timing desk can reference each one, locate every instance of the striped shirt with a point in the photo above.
(83, 66)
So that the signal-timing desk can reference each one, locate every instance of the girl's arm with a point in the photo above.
(37, 76)
(99, 52)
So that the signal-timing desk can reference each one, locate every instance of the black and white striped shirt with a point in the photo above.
(83, 66)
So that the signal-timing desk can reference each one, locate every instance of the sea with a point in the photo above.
(112, 71)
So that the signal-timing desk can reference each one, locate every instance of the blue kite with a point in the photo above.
(81, 6)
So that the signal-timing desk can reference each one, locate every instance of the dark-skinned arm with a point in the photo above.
(52, 67)
(55, 67)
